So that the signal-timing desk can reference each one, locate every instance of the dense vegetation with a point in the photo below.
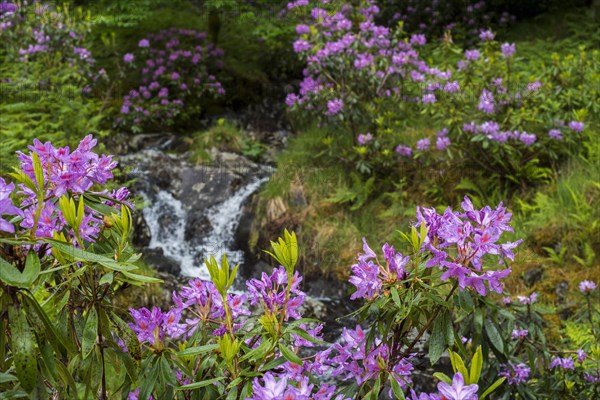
(484, 117)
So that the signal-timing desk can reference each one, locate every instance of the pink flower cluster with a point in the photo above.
(176, 69)
(64, 172)
(460, 242)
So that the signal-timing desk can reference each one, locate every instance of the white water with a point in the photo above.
(224, 219)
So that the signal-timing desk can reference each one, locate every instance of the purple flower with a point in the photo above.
(364, 138)
(486, 102)
(508, 49)
(527, 138)
(515, 374)
(528, 300)
(451, 87)
(302, 29)
(519, 334)
(486, 35)
(418, 39)
(128, 58)
(428, 98)
(555, 134)
(442, 142)
(270, 291)
(144, 43)
(363, 60)
(174, 76)
(586, 286)
(458, 390)
(301, 45)
(581, 356)
(334, 106)
(563, 363)
(576, 126)
(533, 86)
(472, 55)
(403, 150)
(423, 144)
(6, 206)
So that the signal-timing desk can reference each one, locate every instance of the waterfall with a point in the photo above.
(166, 218)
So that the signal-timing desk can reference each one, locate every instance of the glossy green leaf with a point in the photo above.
(200, 384)
(90, 333)
(492, 387)
(494, 335)
(195, 351)
(437, 343)
(23, 348)
(476, 365)
(289, 354)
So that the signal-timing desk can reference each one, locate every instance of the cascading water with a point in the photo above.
(166, 218)
(192, 211)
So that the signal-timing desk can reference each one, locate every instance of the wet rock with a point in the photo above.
(159, 261)
(196, 227)
(313, 308)
(533, 276)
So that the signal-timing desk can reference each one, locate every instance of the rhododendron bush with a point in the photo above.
(65, 254)
(411, 105)
(175, 69)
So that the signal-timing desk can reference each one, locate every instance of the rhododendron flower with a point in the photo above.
(528, 300)
(486, 102)
(527, 138)
(458, 390)
(586, 286)
(563, 363)
(6, 206)
(519, 334)
(508, 49)
(364, 138)
(555, 134)
(429, 98)
(423, 144)
(144, 43)
(128, 58)
(403, 150)
(576, 126)
(442, 142)
(486, 35)
(472, 55)
(334, 106)
(515, 374)
(581, 356)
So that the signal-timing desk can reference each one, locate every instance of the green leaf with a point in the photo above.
(443, 377)
(23, 348)
(437, 343)
(11, 275)
(32, 268)
(493, 335)
(272, 364)
(52, 334)
(81, 255)
(200, 384)
(90, 332)
(289, 354)
(141, 278)
(148, 384)
(4, 377)
(38, 172)
(492, 387)
(397, 389)
(459, 366)
(106, 279)
(195, 351)
(476, 365)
